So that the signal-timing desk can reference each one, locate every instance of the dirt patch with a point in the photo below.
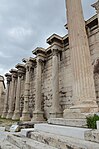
(6, 122)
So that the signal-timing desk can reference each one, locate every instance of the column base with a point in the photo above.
(4, 114)
(38, 116)
(75, 117)
(55, 114)
(16, 115)
(9, 115)
(25, 117)
(73, 114)
(86, 108)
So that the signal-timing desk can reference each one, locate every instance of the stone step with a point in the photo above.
(68, 122)
(27, 143)
(24, 132)
(7, 145)
(62, 142)
(62, 130)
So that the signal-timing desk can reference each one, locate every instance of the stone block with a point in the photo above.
(14, 128)
(62, 142)
(61, 130)
(92, 135)
(68, 122)
(26, 143)
(73, 114)
(24, 132)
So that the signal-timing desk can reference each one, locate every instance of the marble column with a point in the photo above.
(82, 73)
(26, 113)
(5, 110)
(38, 113)
(12, 98)
(55, 109)
(21, 71)
(96, 6)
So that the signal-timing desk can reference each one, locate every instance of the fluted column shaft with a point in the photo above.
(83, 83)
(16, 115)
(11, 102)
(38, 86)
(55, 109)
(38, 113)
(26, 113)
(5, 111)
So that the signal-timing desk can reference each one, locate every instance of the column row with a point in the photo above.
(12, 104)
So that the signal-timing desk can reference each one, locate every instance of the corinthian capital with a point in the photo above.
(14, 73)
(56, 49)
(55, 52)
(8, 77)
(96, 6)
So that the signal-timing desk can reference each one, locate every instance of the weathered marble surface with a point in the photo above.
(92, 135)
(26, 143)
(63, 142)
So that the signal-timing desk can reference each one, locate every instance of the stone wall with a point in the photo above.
(65, 72)
(47, 85)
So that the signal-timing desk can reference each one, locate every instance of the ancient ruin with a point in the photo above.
(2, 94)
(62, 78)
(57, 88)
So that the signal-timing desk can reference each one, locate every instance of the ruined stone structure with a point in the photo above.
(63, 76)
(2, 94)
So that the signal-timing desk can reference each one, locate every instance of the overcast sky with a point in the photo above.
(26, 24)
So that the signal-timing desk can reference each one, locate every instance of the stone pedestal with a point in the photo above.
(38, 113)
(55, 109)
(21, 71)
(12, 100)
(83, 83)
(5, 111)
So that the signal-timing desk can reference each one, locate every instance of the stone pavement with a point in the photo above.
(4, 144)
(9, 140)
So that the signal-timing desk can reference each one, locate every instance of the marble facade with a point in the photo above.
(44, 87)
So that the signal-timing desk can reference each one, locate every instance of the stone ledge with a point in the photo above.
(68, 122)
(62, 130)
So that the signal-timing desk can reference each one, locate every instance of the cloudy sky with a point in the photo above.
(26, 24)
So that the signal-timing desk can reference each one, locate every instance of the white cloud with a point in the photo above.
(25, 25)
(3, 55)
(19, 33)
(3, 71)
